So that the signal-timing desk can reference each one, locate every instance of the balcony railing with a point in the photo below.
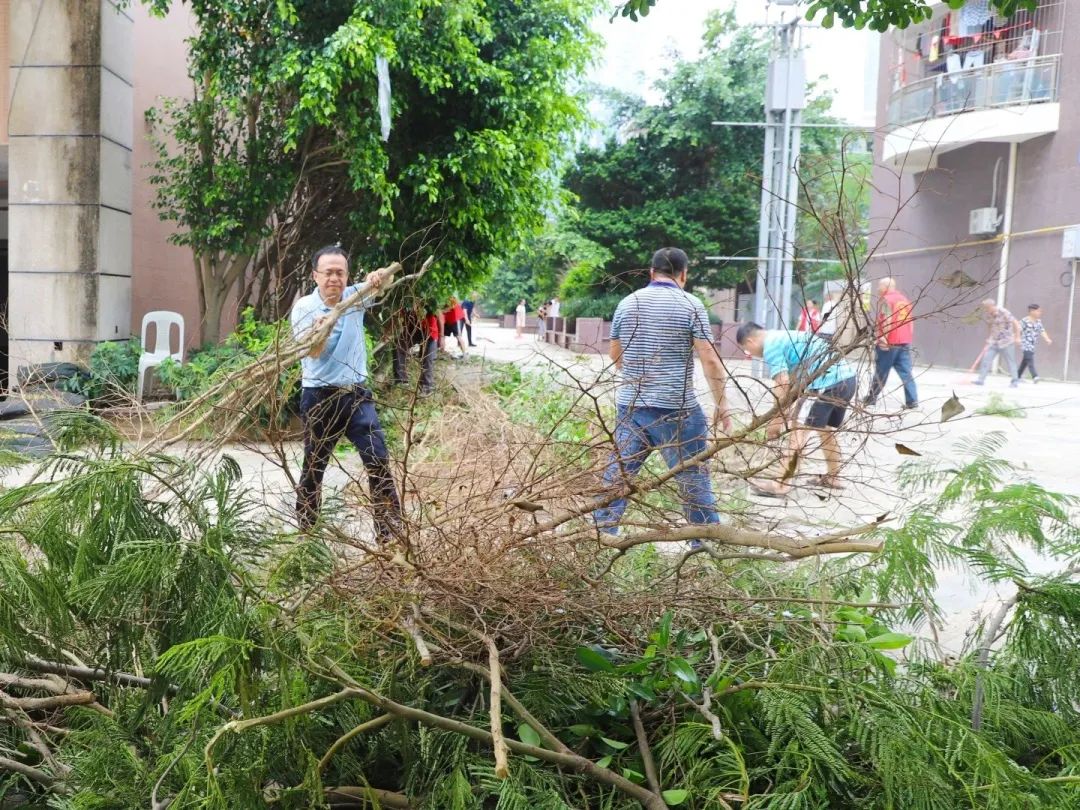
(1001, 84)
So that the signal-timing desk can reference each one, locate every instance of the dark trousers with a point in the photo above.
(885, 360)
(428, 349)
(329, 414)
(468, 331)
(1028, 363)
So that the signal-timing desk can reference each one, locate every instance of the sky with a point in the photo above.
(841, 60)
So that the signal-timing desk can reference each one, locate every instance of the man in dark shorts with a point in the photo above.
(453, 320)
(808, 363)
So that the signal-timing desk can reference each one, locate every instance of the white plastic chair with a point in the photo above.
(163, 321)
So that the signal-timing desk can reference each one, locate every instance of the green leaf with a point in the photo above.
(593, 661)
(850, 632)
(889, 641)
(618, 746)
(604, 761)
(583, 730)
(663, 636)
(681, 669)
(633, 776)
(887, 663)
(527, 734)
(642, 691)
(675, 797)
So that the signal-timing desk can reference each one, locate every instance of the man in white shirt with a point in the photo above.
(334, 400)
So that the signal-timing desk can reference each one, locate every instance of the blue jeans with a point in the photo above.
(885, 360)
(1007, 353)
(678, 435)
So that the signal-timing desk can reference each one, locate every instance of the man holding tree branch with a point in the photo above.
(335, 401)
(654, 335)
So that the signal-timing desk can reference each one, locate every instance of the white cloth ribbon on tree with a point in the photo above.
(382, 72)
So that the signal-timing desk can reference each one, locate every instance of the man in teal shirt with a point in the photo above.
(808, 364)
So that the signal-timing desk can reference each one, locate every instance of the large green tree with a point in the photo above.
(669, 176)
(877, 15)
(281, 149)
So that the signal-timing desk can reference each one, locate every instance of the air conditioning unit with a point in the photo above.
(1070, 243)
(983, 221)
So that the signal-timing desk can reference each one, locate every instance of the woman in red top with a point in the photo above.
(453, 319)
(809, 317)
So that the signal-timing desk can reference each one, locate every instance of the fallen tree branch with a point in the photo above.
(34, 774)
(498, 741)
(30, 704)
(371, 797)
(370, 725)
(85, 673)
(519, 709)
(570, 760)
(643, 746)
(749, 538)
(422, 649)
(240, 726)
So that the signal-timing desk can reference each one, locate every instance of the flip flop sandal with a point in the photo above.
(764, 493)
(827, 482)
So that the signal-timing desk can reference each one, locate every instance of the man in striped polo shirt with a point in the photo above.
(654, 335)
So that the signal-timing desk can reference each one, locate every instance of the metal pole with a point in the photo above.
(779, 193)
(1068, 323)
(763, 226)
(790, 221)
(1006, 227)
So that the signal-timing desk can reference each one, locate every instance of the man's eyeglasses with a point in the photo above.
(334, 273)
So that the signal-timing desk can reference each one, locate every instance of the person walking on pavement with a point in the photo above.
(1031, 329)
(809, 363)
(453, 320)
(519, 318)
(1001, 341)
(655, 333)
(468, 305)
(895, 332)
(335, 400)
(809, 317)
(541, 321)
(830, 316)
(553, 307)
(413, 329)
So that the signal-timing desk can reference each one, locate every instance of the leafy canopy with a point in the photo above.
(877, 15)
(669, 176)
(282, 142)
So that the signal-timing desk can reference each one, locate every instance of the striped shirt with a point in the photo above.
(656, 328)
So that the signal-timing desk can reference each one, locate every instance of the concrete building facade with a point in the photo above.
(86, 255)
(980, 112)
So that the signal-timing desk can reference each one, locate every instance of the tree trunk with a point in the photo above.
(214, 298)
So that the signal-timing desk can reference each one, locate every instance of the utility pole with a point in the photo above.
(785, 99)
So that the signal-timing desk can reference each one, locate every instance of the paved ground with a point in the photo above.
(1044, 445)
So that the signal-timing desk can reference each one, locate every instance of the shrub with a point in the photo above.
(210, 364)
(114, 371)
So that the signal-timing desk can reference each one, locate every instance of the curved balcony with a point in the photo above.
(1006, 102)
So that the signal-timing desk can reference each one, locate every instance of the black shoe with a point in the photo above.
(914, 406)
